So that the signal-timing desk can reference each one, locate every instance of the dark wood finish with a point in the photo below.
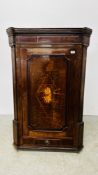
(48, 80)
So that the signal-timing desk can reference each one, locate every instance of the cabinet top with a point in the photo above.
(81, 31)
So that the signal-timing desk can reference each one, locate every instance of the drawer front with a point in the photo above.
(47, 39)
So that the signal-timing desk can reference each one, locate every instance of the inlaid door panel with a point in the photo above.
(47, 86)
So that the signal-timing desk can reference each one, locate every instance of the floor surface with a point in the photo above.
(13, 162)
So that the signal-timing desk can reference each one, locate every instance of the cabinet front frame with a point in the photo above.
(27, 136)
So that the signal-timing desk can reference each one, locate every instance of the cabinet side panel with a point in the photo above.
(14, 81)
(84, 55)
(15, 121)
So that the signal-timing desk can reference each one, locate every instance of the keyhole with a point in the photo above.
(72, 52)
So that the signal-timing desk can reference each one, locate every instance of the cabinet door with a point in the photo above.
(47, 82)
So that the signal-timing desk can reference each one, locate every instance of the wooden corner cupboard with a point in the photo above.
(48, 81)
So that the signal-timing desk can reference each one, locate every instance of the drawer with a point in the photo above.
(49, 142)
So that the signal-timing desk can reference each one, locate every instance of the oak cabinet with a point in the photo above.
(48, 81)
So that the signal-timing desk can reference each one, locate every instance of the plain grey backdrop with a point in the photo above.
(49, 13)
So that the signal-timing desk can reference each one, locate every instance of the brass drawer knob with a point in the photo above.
(47, 142)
